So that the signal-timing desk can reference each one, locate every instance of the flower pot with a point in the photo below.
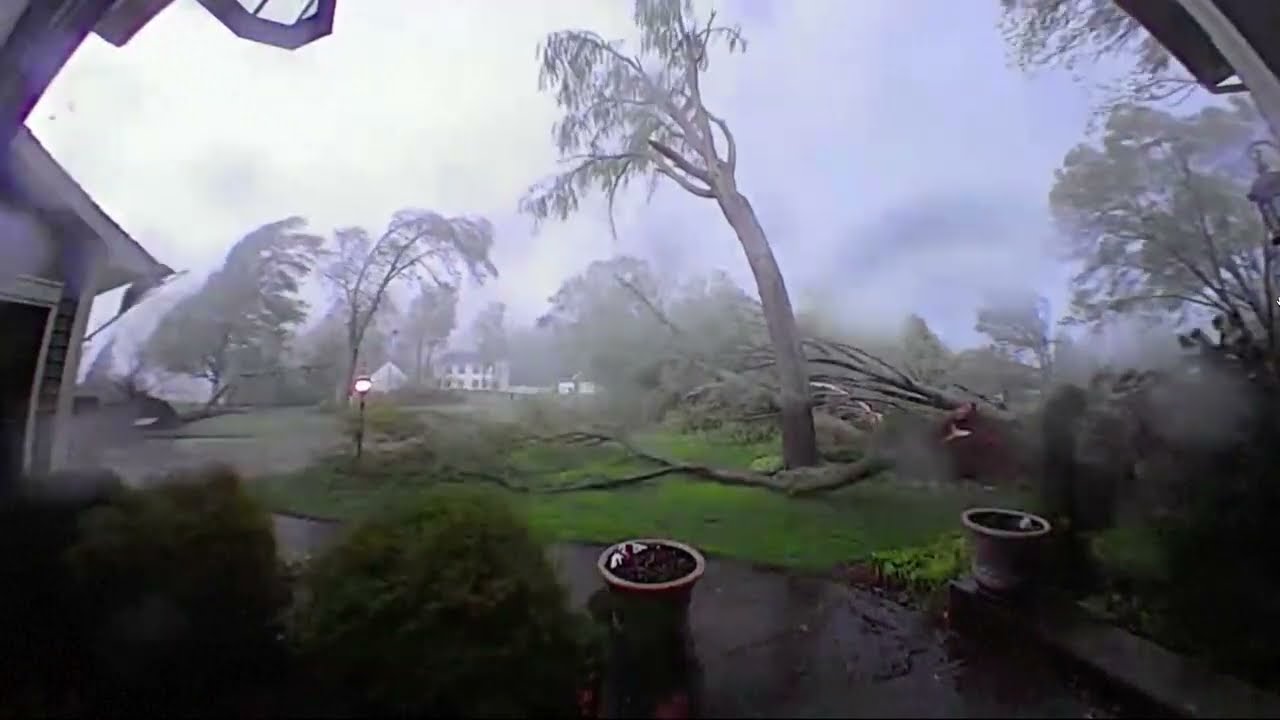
(650, 597)
(613, 565)
(1006, 545)
(653, 664)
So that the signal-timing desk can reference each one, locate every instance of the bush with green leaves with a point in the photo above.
(927, 567)
(187, 592)
(44, 615)
(447, 607)
(422, 395)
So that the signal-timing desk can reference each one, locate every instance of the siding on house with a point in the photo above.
(48, 393)
(466, 371)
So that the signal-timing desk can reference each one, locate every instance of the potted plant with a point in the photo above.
(653, 665)
(1005, 546)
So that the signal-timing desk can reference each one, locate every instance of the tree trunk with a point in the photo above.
(417, 364)
(343, 391)
(431, 355)
(799, 443)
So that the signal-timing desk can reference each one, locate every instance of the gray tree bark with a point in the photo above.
(799, 443)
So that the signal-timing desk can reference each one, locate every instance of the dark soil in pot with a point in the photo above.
(655, 564)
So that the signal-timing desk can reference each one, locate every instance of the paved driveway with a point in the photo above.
(775, 644)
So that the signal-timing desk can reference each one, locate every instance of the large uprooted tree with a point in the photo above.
(639, 113)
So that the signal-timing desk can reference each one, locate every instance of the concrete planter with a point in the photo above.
(1006, 546)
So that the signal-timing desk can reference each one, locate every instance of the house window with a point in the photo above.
(474, 383)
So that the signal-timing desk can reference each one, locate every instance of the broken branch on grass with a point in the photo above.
(798, 482)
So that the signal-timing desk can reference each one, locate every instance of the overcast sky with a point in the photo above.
(895, 161)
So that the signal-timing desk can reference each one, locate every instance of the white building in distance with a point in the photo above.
(462, 370)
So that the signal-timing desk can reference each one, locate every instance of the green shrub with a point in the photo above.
(767, 464)
(448, 607)
(1223, 580)
(427, 396)
(43, 615)
(925, 568)
(745, 433)
(385, 420)
(187, 593)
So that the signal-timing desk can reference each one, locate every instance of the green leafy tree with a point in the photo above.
(490, 330)
(416, 245)
(602, 325)
(432, 317)
(924, 356)
(244, 314)
(992, 372)
(1156, 215)
(641, 115)
(1021, 328)
(1067, 33)
(540, 361)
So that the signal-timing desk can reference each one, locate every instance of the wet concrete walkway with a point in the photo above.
(775, 644)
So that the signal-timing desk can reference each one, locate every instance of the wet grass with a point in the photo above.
(266, 425)
(746, 523)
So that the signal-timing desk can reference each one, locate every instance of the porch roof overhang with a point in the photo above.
(1257, 20)
(248, 19)
(43, 184)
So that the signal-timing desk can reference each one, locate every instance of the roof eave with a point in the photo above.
(1179, 33)
(127, 260)
(1191, 46)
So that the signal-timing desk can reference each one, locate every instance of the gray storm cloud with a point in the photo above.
(890, 152)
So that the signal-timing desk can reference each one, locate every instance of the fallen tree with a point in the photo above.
(844, 378)
(796, 482)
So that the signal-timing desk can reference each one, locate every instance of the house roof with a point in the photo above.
(126, 18)
(47, 186)
(391, 369)
(1258, 21)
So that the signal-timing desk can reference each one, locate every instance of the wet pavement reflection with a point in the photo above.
(772, 644)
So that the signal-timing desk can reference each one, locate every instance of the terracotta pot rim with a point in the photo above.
(700, 566)
(967, 517)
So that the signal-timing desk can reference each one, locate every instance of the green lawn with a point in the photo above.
(267, 425)
(746, 523)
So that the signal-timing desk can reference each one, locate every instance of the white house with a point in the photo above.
(387, 378)
(467, 371)
(60, 251)
(576, 386)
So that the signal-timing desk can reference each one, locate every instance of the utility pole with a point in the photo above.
(1254, 74)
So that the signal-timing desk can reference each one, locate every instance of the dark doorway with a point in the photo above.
(23, 333)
